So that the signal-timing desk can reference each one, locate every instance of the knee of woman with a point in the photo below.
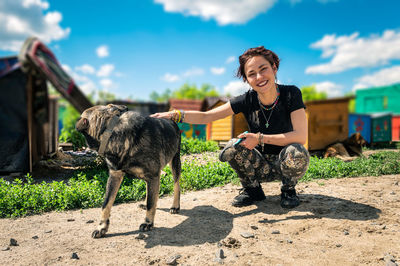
(294, 159)
(228, 152)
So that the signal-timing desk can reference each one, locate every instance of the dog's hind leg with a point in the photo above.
(153, 188)
(113, 183)
(176, 172)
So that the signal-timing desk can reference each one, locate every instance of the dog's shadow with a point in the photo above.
(207, 224)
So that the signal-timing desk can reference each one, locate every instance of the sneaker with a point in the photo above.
(248, 195)
(289, 198)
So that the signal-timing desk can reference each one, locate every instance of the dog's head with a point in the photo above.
(355, 143)
(94, 121)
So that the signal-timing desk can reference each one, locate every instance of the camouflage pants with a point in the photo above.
(253, 168)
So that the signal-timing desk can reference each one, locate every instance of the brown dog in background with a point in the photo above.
(352, 146)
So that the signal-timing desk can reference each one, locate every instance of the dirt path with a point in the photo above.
(352, 221)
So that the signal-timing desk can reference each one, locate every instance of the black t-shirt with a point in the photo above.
(290, 100)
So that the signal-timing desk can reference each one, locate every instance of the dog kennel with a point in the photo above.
(28, 116)
(327, 122)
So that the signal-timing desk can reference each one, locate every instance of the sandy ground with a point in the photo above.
(354, 221)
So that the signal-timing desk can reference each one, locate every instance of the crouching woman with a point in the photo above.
(273, 148)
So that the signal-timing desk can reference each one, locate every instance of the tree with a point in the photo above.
(186, 91)
(310, 93)
(164, 97)
(105, 96)
(352, 102)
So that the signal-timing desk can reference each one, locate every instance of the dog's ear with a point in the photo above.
(82, 124)
(117, 109)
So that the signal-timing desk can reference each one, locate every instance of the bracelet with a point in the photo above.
(183, 116)
(260, 140)
(177, 116)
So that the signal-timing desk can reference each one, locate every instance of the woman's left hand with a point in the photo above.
(250, 140)
(166, 115)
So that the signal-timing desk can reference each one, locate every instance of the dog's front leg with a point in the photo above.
(113, 184)
(153, 188)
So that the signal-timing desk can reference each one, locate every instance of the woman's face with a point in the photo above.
(260, 74)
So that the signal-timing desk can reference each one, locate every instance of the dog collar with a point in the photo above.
(107, 134)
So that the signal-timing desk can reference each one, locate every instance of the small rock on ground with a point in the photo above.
(247, 235)
(172, 260)
(13, 242)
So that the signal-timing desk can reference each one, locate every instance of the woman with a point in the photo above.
(273, 149)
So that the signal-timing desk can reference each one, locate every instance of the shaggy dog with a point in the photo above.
(133, 146)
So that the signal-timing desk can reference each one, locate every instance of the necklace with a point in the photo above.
(262, 107)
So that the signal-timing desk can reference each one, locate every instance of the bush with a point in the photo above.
(194, 145)
(68, 132)
(382, 163)
(86, 189)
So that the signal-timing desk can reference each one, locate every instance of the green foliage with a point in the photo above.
(186, 91)
(310, 93)
(163, 97)
(86, 189)
(68, 132)
(382, 163)
(105, 96)
(195, 145)
(192, 92)
(352, 102)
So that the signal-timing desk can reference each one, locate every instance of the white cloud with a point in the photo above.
(170, 77)
(223, 11)
(102, 51)
(88, 87)
(382, 77)
(107, 83)
(85, 84)
(86, 69)
(332, 89)
(29, 3)
(235, 88)
(105, 70)
(352, 51)
(217, 70)
(194, 71)
(20, 19)
(230, 59)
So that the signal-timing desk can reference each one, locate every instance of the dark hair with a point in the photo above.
(270, 56)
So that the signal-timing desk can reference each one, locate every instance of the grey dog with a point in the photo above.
(133, 146)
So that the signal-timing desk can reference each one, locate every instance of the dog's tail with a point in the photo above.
(176, 162)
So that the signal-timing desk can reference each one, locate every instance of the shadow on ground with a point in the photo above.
(207, 224)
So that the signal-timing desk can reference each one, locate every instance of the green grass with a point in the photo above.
(86, 189)
(381, 163)
(194, 145)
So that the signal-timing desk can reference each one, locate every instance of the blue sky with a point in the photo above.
(131, 48)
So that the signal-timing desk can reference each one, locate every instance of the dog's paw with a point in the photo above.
(99, 233)
(145, 227)
(174, 210)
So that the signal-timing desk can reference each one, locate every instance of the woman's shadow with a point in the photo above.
(207, 224)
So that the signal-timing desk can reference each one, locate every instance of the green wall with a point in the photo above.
(378, 99)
